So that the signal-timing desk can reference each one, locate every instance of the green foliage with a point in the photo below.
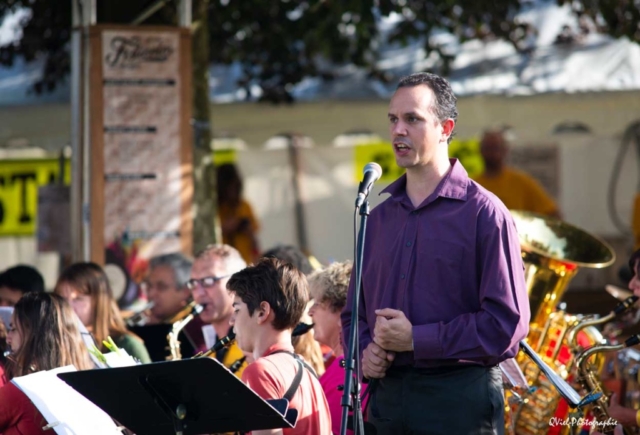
(279, 42)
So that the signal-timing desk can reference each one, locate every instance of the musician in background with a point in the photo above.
(516, 189)
(43, 336)
(166, 286)
(237, 220)
(306, 344)
(627, 417)
(268, 301)
(210, 272)
(17, 281)
(444, 299)
(86, 287)
(328, 289)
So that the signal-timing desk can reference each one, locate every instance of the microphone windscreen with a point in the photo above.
(373, 167)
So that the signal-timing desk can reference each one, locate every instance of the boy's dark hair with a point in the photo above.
(445, 104)
(25, 279)
(276, 282)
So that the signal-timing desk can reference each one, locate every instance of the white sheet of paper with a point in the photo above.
(209, 334)
(68, 411)
(5, 314)
(512, 375)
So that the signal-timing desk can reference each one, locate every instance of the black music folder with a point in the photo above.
(195, 396)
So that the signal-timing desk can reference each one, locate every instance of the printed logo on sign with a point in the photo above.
(130, 52)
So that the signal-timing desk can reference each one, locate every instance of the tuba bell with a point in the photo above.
(552, 251)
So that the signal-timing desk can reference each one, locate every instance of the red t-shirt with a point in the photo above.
(271, 376)
(18, 415)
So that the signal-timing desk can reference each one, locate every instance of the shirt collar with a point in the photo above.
(278, 347)
(453, 185)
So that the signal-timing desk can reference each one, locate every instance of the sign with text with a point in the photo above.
(145, 142)
(19, 182)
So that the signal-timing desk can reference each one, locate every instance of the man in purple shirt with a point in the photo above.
(443, 291)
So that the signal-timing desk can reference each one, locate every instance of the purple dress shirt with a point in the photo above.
(453, 266)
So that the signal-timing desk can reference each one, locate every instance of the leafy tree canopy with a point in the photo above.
(279, 42)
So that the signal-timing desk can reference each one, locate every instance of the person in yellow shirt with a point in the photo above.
(516, 189)
(238, 223)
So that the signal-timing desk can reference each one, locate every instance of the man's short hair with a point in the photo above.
(276, 282)
(290, 254)
(23, 278)
(445, 106)
(231, 257)
(179, 263)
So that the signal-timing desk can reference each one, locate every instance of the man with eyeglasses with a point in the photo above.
(211, 270)
(166, 286)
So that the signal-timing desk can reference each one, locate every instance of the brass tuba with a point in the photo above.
(552, 251)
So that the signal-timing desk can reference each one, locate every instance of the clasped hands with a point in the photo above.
(393, 333)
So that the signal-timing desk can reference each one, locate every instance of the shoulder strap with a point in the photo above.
(298, 378)
(298, 358)
(295, 384)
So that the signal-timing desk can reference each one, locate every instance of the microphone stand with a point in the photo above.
(351, 394)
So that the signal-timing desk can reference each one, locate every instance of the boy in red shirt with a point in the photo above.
(269, 299)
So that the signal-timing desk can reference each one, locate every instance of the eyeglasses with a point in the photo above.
(208, 281)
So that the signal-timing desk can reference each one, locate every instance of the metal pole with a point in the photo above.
(184, 13)
(86, 143)
(76, 139)
(84, 14)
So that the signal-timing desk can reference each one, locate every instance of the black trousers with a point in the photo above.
(461, 400)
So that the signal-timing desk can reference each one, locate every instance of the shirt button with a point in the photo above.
(408, 243)
(402, 276)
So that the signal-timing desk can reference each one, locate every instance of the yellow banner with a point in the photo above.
(382, 154)
(465, 150)
(468, 152)
(220, 157)
(19, 182)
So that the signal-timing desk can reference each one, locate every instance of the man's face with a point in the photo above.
(80, 303)
(9, 297)
(215, 297)
(163, 291)
(494, 151)
(415, 131)
(244, 325)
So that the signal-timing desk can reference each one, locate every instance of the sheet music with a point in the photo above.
(69, 412)
(512, 375)
(5, 314)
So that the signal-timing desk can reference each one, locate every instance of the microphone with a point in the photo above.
(372, 173)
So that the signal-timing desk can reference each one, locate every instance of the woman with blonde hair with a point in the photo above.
(328, 289)
(43, 336)
(86, 287)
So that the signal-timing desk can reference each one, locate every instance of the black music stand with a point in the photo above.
(155, 340)
(195, 396)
